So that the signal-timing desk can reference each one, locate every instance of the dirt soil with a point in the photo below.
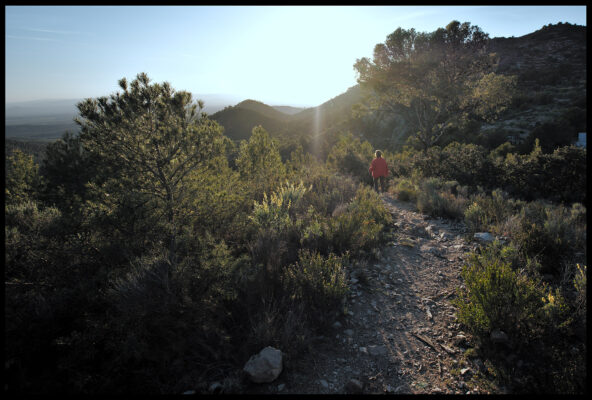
(400, 334)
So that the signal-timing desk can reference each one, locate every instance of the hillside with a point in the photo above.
(239, 120)
(330, 114)
(551, 66)
(544, 50)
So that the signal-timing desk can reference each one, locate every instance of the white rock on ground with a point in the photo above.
(264, 367)
(484, 237)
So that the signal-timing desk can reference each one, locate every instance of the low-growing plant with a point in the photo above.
(404, 190)
(274, 233)
(436, 198)
(361, 226)
(314, 232)
(550, 233)
(498, 297)
(327, 191)
(351, 156)
(580, 284)
(319, 283)
(488, 213)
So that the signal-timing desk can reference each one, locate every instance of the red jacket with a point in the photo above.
(378, 168)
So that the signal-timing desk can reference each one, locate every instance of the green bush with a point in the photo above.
(559, 176)
(314, 232)
(488, 213)
(404, 190)
(564, 175)
(319, 283)
(275, 234)
(328, 191)
(466, 163)
(163, 314)
(580, 284)
(502, 150)
(498, 297)
(552, 234)
(31, 236)
(435, 198)
(220, 204)
(260, 163)
(360, 226)
(22, 177)
(351, 156)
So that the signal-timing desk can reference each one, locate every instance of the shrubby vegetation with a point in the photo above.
(150, 253)
(559, 176)
(529, 284)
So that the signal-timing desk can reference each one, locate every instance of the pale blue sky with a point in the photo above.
(281, 55)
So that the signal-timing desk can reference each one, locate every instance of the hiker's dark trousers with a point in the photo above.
(380, 181)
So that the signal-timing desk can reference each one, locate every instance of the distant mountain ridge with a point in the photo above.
(238, 121)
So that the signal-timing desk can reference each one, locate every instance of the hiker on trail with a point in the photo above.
(379, 171)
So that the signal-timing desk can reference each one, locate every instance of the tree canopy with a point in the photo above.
(148, 139)
(436, 80)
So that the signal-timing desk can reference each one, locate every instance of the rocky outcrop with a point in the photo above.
(266, 366)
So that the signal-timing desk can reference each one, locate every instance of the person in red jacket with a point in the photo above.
(379, 171)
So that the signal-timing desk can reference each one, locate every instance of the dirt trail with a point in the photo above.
(401, 333)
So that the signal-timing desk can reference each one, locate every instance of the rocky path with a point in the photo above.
(400, 334)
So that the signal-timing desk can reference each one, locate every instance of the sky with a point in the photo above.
(280, 55)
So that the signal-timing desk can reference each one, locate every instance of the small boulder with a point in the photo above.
(264, 367)
(485, 237)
